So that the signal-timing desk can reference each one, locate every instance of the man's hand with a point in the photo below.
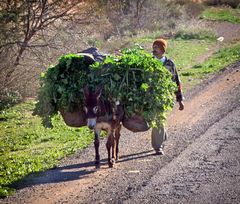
(181, 105)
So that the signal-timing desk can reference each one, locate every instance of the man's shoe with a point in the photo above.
(159, 151)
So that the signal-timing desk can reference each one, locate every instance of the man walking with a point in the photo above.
(159, 134)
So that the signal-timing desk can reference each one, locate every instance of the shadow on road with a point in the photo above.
(71, 172)
(138, 155)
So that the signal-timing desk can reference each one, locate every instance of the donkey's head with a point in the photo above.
(92, 106)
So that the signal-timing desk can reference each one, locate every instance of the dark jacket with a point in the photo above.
(169, 64)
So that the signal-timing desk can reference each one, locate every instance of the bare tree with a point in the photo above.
(21, 21)
(139, 7)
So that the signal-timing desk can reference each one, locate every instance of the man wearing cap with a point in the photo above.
(159, 134)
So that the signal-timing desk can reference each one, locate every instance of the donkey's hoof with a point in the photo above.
(113, 160)
(97, 165)
(110, 164)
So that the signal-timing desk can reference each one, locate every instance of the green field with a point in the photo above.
(222, 14)
(26, 146)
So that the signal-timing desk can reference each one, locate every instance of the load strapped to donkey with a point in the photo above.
(132, 89)
(135, 80)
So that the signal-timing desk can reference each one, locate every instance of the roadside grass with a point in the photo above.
(195, 34)
(185, 47)
(222, 14)
(214, 64)
(26, 146)
(185, 52)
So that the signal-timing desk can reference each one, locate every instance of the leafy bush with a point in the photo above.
(135, 79)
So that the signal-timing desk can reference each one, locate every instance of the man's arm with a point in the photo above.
(179, 96)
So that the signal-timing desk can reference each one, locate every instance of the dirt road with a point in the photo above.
(201, 162)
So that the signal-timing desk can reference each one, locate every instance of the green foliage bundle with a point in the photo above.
(61, 87)
(139, 82)
(134, 79)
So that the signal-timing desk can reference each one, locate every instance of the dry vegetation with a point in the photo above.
(26, 51)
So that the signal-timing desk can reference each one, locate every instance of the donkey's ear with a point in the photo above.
(98, 92)
(86, 91)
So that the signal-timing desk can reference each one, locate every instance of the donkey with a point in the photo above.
(101, 115)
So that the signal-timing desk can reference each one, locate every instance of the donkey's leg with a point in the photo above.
(117, 137)
(114, 149)
(109, 144)
(96, 145)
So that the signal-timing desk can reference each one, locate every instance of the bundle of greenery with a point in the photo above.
(137, 81)
(134, 79)
(61, 87)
